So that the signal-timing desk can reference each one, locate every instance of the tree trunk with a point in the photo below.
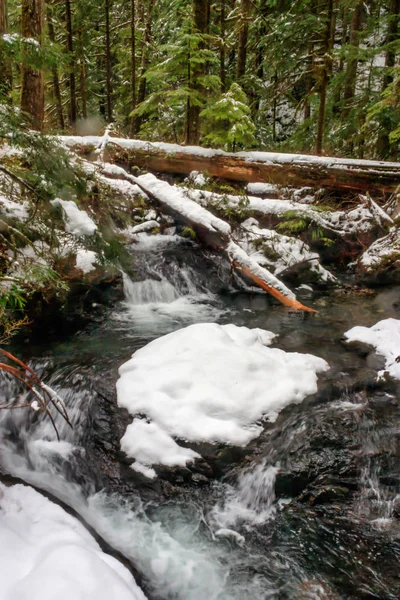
(72, 82)
(326, 71)
(54, 73)
(243, 39)
(336, 174)
(222, 69)
(141, 95)
(200, 15)
(32, 94)
(133, 65)
(383, 144)
(108, 63)
(6, 71)
(352, 63)
(337, 92)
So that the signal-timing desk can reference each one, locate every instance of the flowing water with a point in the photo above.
(310, 512)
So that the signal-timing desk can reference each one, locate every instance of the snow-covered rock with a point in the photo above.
(45, 553)
(385, 338)
(207, 382)
(15, 210)
(76, 221)
(383, 254)
(272, 249)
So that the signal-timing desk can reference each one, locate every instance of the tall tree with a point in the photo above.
(32, 91)
(5, 72)
(133, 65)
(195, 72)
(71, 56)
(54, 72)
(326, 66)
(383, 147)
(243, 35)
(108, 63)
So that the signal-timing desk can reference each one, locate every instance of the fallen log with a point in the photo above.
(212, 230)
(379, 178)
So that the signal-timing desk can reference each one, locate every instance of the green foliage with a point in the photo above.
(189, 233)
(228, 121)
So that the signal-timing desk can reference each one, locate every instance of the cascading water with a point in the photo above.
(170, 295)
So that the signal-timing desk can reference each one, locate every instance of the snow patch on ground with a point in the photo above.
(385, 338)
(211, 383)
(45, 553)
(76, 221)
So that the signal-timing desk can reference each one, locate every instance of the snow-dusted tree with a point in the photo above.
(229, 120)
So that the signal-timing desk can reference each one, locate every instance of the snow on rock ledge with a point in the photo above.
(207, 382)
(45, 553)
(385, 338)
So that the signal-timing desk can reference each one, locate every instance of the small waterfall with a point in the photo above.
(377, 502)
(249, 503)
(149, 291)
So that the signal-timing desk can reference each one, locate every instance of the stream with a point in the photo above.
(308, 510)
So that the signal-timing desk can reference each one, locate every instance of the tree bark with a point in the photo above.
(326, 70)
(32, 94)
(54, 73)
(72, 81)
(339, 175)
(141, 94)
(200, 24)
(133, 65)
(222, 68)
(383, 144)
(108, 64)
(6, 71)
(352, 63)
(243, 39)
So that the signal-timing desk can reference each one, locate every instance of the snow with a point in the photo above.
(385, 338)
(178, 201)
(262, 189)
(142, 227)
(238, 255)
(383, 252)
(16, 210)
(210, 383)
(197, 178)
(77, 221)
(86, 260)
(289, 251)
(340, 222)
(45, 553)
(263, 157)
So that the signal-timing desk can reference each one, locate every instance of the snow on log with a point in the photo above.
(263, 278)
(339, 174)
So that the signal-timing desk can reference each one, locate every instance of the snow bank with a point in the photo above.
(77, 221)
(385, 338)
(211, 383)
(45, 553)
